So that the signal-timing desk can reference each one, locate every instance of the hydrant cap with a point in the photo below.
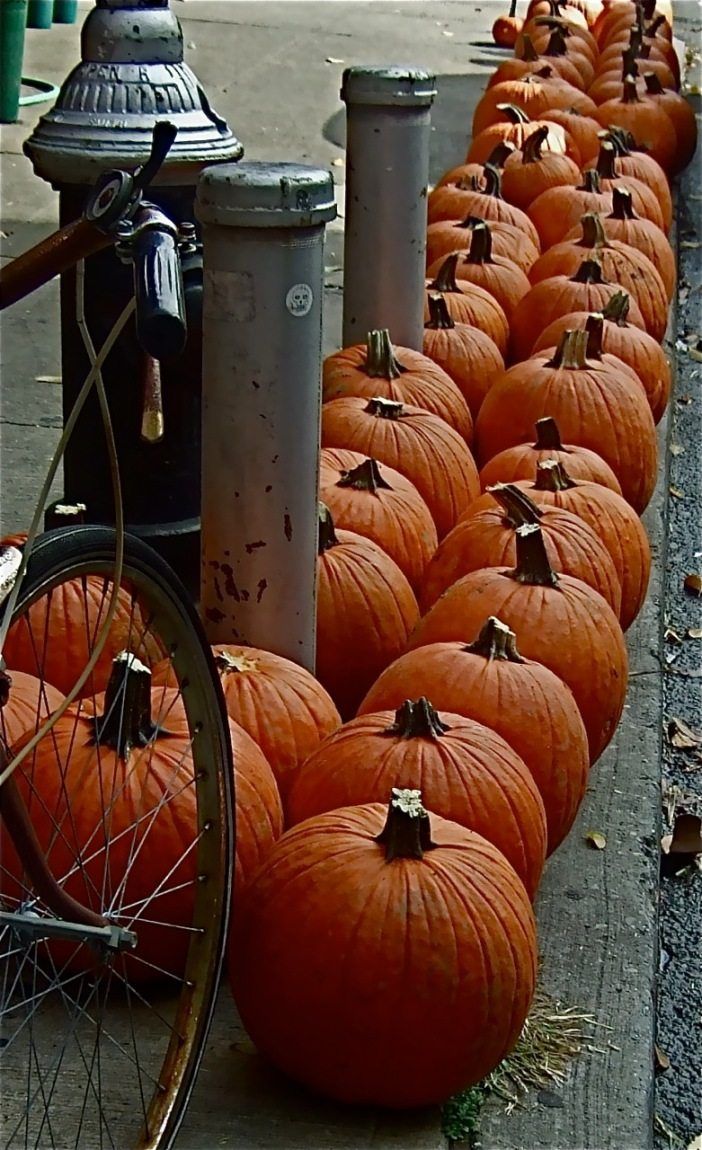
(393, 84)
(265, 195)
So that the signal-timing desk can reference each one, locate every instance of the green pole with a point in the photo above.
(40, 13)
(65, 11)
(13, 20)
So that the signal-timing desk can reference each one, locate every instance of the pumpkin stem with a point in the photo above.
(548, 437)
(616, 309)
(228, 664)
(629, 65)
(514, 114)
(594, 327)
(557, 45)
(571, 352)
(528, 51)
(467, 184)
(493, 182)
(630, 94)
(531, 150)
(653, 84)
(512, 10)
(533, 567)
(622, 205)
(126, 720)
(496, 641)
(593, 232)
(605, 161)
(407, 830)
(417, 721)
(591, 181)
(551, 475)
(589, 272)
(517, 505)
(381, 362)
(446, 278)
(480, 245)
(384, 408)
(439, 316)
(652, 29)
(326, 535)
(365, 477)
(500, 153)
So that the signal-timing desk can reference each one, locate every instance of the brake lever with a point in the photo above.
(117, 194)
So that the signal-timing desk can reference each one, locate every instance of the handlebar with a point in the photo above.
(152, 245)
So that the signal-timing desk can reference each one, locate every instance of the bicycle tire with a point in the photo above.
(82, 553)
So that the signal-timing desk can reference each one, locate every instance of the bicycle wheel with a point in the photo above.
(129, 795)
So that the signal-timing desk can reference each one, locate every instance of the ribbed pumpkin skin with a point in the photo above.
(259, 810)
(469, 356)
(610, 415)
(29, 705)
(569, 628)
(515, 69)
(533, 97)
(366, 610)
(519, 462)
(648, 123)
(619, 528)
(647, 238)
(557, 211)
(523, 182)
(499, 276)
(551, 298)
(559, 139)
(418, 444)
(450, 202)
(643, 168)
(524, 702)
(309, 954)
(484, 537)
(448, 236)
(629, 343)
(621, 264)
(474, 306)
(581, 129)
(468, 774)
(423, 383)
(398, 520)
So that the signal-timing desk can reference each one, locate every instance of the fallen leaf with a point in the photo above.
(693, 584)
(693, 633)
(333, 60)
(695, 354)
(677, 449)
(337, 162)
(662, 1060)
(684, 400)
(676, 492)
(596, 840)
(671, 636)
(682, 737)
(696, 1143)
(47, 379)
(686, 838)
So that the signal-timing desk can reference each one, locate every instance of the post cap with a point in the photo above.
(260, 194)
(392, 84)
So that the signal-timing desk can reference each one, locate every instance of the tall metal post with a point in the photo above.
(388, 112)
(263, 249)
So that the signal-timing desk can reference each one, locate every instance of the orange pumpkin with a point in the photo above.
(650, 125)
(581, 45)
(529, 62)
(519, 462)
(473, 197)
(680, 114)
(583, 130)
(506, 28)
(448, 236)
(495, 274)
(469, 169)
(532, 171)
(28, 706)
(468, 303)
(621, 168)
(469, 356)
(625, 225)
(533, 95)
(513, 126)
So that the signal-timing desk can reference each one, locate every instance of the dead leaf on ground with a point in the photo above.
(696, 1143)
(671, 636)
(686, 839)
(677, 449)
(676, 492)
(596, 840)
(693, 633)
(662, 1060)
(333, 60)
(682, 737)
(693, 584)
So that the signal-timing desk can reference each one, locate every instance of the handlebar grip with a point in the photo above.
(158, 287)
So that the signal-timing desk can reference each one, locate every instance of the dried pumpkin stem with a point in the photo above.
(630, 94)
(126, 721)
(594, 328)
(493, 182)
(365, 477)
(418, 720)
(557, 44)
(500, 153)
(622, 205)
(440, 318)
(629, 65)
(551, 475)
(381, 361)
(326, 535)
(571, 353)
(446, 277)
(514, 113)
(533, 145)
(496, 641)
(519, 508)
(651, 30)
(605, 161)
(533, 567)
(407, 830)
(589, 272)
(616, 310)
(512, 10)
(593, 232)
(653, 84)
(591, 181)
(480, 251)
(384, 408)
(548, 437)
(528, 51)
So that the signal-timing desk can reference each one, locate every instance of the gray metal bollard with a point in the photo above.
(263, 236)
(388, 113)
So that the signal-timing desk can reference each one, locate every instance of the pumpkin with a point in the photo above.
(582, 130)
(617, 16)
(495, 274)
(561, 621)
(55, 637)
(609, 80)
(514, 127)
(533, 95)
(647, 48)
(532, 171)
(398, 373)
(365, 612)
(506, 28)
(322, 973)
(529, 62)
(468, 303)
(680, 114)
(590, 9)
(643, 116)
(586, 290)
(595, 406)
(467, 170)
(625, 225)
(448, 236)
(625, 341)
(580, 43)
(612, 519)
(557, 211)
(465, 771)
(562, 63)
(519, 462)
(488, 680)
(622, 169)
(381, 504)
(470, 197)
(485, 537)
(469, 356)
(620, 263)
(28, 706)
(414, 442)
(259, 810)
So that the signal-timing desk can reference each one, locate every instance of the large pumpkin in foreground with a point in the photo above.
(384, 958)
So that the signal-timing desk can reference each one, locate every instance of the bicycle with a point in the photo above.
(116, 800)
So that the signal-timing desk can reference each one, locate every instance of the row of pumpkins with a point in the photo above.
(480, 556)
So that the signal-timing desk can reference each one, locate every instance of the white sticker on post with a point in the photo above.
(299, 299)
